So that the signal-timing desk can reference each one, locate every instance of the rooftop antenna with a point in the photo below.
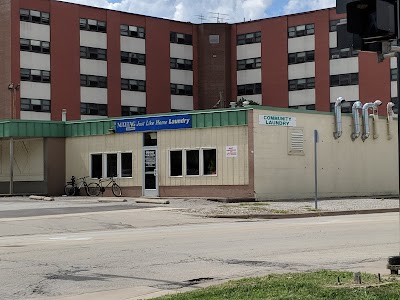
(220, 18)
(201, 18)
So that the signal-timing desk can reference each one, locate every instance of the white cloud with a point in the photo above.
(295, 6)
(189, 10)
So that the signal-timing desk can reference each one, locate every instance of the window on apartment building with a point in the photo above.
(133, 58)
(181, 64)
(35, 75)
(303, 107)
(133, 85)
(336, 53)
(301, 57)
(393, 74)
(248, 64)
(213, 39)
(333, 24)
(93, 53)
(249, 89)
(93, 81)
(396, 103)
(300, 30)
(132, 31)
(132, 110)
(180, 38)
(93, 25)
(301, 84)
(94, 109)
(344, 79)
(181, 89)
(37, 105)
(34, 46)
(34, 16)
(346, 106)
(248, 38)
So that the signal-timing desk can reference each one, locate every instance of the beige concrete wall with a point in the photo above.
(230, 171)
(345, 168)
(79, 149)
(28, 160)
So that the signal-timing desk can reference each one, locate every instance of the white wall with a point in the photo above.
(181, 51)
(181, 102)
(93, 67)
(130, 71)
(34, 31)
(298, 71)
(93, 39)
(345, 168)
(300, 44)
(350, 93)
(248, 51)
(343, 66)
(303, 97)
(35, 90)
(332, 39)
(248, 76)
(93, 95)
(37, 61)
(181, 77)
(135, 45)
(132, 98)
(32, 115)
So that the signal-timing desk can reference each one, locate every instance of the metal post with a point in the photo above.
(398, 100)
(315, 168)
(11, 165)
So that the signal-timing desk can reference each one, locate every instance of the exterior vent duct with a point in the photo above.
(389, 109)
(356, 111)
(338, 117)
(365, 112)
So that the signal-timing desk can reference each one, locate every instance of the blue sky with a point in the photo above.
(229, 10)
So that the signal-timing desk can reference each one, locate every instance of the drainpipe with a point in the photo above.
(365, 112)
(389, 110)
(356, 110)
(338, 117)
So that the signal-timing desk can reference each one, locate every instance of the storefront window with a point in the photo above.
(126, 164)
(97, 165)
(112, 165)
(210, 162)
(176, 163)
(192, 162)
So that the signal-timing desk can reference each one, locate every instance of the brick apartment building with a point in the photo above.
(101, 63)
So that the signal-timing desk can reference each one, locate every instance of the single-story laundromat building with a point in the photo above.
(252, 152)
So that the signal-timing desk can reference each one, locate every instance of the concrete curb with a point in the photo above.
(306, 215)
(110, 200)
(43, 198)
(151, 201)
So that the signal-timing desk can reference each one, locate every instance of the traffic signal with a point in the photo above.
(369, 23)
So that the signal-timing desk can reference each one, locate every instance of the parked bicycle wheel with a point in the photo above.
(93, 189)
(69, 190)
(116, 190)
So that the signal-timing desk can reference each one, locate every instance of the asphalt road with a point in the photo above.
(144, 252)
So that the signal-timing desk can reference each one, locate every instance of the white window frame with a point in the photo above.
(104, 162)
(201, 162)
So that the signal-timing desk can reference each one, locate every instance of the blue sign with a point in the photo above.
(154, 123)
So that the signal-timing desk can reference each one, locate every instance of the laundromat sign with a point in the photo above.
(154, 123)
(277, 121)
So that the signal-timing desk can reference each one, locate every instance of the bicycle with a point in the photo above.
(115, 188)
(72, 188)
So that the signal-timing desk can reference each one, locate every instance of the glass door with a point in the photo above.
(150, 174)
